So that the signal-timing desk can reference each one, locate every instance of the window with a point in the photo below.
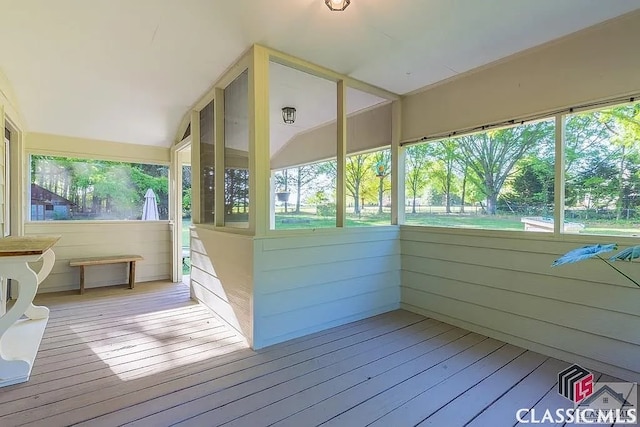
(368, 183)
(65, 188)
(302, 153)
(307, 204)
(207, 157)
(367, 172)
(236, 152)
(602, 170)
(305, 196)
(502, 179)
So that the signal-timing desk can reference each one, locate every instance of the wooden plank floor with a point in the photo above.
(152, 357)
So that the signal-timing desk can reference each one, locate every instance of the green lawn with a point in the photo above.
(186, 223)
(304, 220)
(186, 265)
(307, 220)
(466, 221)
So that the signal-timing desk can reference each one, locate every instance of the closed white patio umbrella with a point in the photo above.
(150, 208)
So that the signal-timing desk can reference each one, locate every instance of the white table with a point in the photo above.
(22, 326)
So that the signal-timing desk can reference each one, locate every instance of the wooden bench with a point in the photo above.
(102, 260)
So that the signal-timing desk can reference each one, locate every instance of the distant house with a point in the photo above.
(46, 205)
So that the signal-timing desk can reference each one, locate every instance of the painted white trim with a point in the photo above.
(66, 146)
(98, 221)
(559, 176)
(398, 172)
(218, 159)
(259, 142)
(174, 221)
(325, 73)
(175, 197)
(20, 183)
(195, 167)
(341, 154)
(523, 235)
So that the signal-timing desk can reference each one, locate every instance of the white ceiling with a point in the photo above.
(127, 70)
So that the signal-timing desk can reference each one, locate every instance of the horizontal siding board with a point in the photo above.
(569, 315)
(81, 227)
(70, 280)
(151, 240)
(312, 282)
(569, 340)
(562, 354)
(288, 279)
(296, 257)
(509, 238)
(197, 245)
(234, 316)
(222, 276)
(152, 259)
(213, 284)
(264, 341)
(504, 284)
(89, 238)
(535, 242)
(561, 289)
(341, 237)
(158, 264)
(304, 317)
(530, 262)
(324, 293)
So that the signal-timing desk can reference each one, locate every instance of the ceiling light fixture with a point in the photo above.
(289, 115)
(337, 5)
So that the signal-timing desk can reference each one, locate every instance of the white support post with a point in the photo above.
(218, 158)
(272, 203)
(174, 213)
(558, 214)
(341, 154)
(20, 184)
(259, 158)
(196, 169)
(397, 166)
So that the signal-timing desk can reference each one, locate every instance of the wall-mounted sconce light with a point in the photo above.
(289, 115)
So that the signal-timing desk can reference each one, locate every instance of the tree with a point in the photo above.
(627, 136)
(491, 156)
(303, 176)
(382, 165)
(358, 168)
(532, 184)
(283, 180)
(417, 160)
(442, 172)
(598, 149)
(236, 194)
(98, 187)
(186, 191)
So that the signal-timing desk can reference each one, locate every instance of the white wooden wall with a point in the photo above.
(151, 239)
(307, 283)
(221, 276)
(504, 287)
